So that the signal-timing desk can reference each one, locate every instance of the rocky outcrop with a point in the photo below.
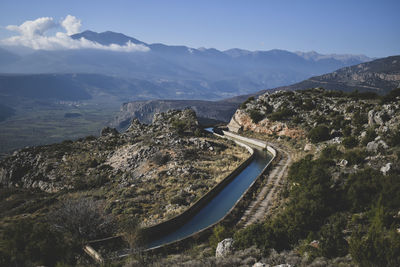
(242, 121)
(224, 248)
(144, 110)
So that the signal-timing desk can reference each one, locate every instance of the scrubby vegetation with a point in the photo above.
(319, 209)
(342, 200)
(76, 191)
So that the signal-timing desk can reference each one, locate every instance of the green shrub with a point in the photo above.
(391, 96)
(363, 189)
(180, 126)
(244, 104)
(360, 118)
(256, 115)
(308, 105)
(394, 139)
(179, 200)
(332, 242)
(347, 130)
(331, 152)
(355, 156)
(219, 234)
(350, 142)
(319, 134)
(282, 114)
(29, 243)
(379, 247)
(369, 136)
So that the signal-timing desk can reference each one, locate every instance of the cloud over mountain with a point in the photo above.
(32, 33)
(71, 24)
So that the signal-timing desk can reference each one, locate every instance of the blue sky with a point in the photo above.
(337, 26)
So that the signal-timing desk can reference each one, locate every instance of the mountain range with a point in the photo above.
(182, 72)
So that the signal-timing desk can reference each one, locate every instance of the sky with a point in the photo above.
(364, 27)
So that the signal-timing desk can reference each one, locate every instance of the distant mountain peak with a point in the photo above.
(107, 37)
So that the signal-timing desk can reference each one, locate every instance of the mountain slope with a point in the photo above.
(222, 73)
(380, 76)
(106, 38)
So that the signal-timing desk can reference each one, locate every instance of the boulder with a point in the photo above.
(308, 147)
(373, 146)
(343, 163)
(385, 169)
(259, 264)
(224, 248)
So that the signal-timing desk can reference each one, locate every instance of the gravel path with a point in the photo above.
(260, 206)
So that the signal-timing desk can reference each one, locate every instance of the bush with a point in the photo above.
(219, 234)
(160, 158)
(369, 136)
(180, 126)
(256, 115)
(244, 104)
(311, 200)
(394, 139)
(360, 118)
(319, 134)
(379, 247)
(179, 200)
(29, 243)
(347, 130)
(332, 242)
(363, 188)
(350, 142)
(391, 96)
(282, 114)
(308, 105)
(83, 219)
(355, 156)
(330, 152)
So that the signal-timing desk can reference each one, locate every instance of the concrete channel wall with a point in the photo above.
(170, 225)
(236, 210)
(155, 231)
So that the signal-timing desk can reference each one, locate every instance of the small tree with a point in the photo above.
(350, 142)
(84, 219)
(256, 115)
(133, 235)
(318, 134)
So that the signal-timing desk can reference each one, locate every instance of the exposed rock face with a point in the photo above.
(145, 110)
(242, 121)
(224, 248)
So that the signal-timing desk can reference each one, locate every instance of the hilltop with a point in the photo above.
(379, 76)
(147, 174)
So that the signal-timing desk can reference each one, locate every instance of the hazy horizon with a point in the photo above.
(342, 27)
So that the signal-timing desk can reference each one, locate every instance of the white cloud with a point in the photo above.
(71, 24)
(33, 28)
(33, 34)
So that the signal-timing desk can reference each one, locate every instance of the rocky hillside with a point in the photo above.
(151, 171)
(207, 111)
(379, 76)
(340, 203)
